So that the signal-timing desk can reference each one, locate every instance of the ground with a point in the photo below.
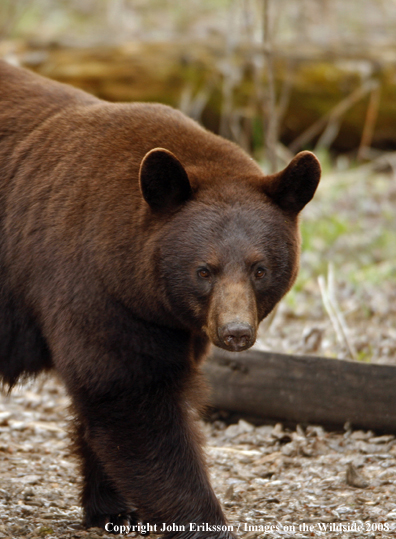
(264, 475)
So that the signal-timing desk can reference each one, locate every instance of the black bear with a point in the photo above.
(131, 238)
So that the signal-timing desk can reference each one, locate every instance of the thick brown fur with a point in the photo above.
(130, 238)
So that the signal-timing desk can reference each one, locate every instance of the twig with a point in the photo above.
(371, 118)
(334, 312)
(285, 94)
(333, 115)
(329, 134)
(329, 310)
(232, 76)
(272, 122)
(193, 106)
(340, 317)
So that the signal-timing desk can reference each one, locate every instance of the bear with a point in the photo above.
(131, 239)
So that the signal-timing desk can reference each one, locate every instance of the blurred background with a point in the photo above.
(275, 76)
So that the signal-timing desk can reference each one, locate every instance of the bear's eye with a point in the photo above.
(203, 273)
(260, 273)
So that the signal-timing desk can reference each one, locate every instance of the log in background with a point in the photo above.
(220, 88)
(303, 389)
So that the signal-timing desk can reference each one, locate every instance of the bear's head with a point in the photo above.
(229, 249)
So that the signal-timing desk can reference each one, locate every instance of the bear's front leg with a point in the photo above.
(101, 501)
(147, 446)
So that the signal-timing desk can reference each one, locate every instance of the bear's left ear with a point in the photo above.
(163, 180)
(293, 187)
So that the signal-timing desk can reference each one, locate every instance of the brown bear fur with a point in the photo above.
(130, 238)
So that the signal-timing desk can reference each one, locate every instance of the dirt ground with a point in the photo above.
(293, 482)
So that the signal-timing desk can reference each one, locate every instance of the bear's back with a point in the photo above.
(34, 110)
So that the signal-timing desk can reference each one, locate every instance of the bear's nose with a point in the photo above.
(236, 336)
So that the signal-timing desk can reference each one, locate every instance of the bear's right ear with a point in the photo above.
(163, 180)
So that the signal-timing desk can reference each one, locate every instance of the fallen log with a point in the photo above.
(304, 389)
(322, 87)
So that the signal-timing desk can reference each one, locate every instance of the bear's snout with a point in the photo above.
(236, 336)
(232, 318)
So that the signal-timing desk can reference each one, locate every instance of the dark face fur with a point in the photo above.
(226, 265)
(227, 269)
